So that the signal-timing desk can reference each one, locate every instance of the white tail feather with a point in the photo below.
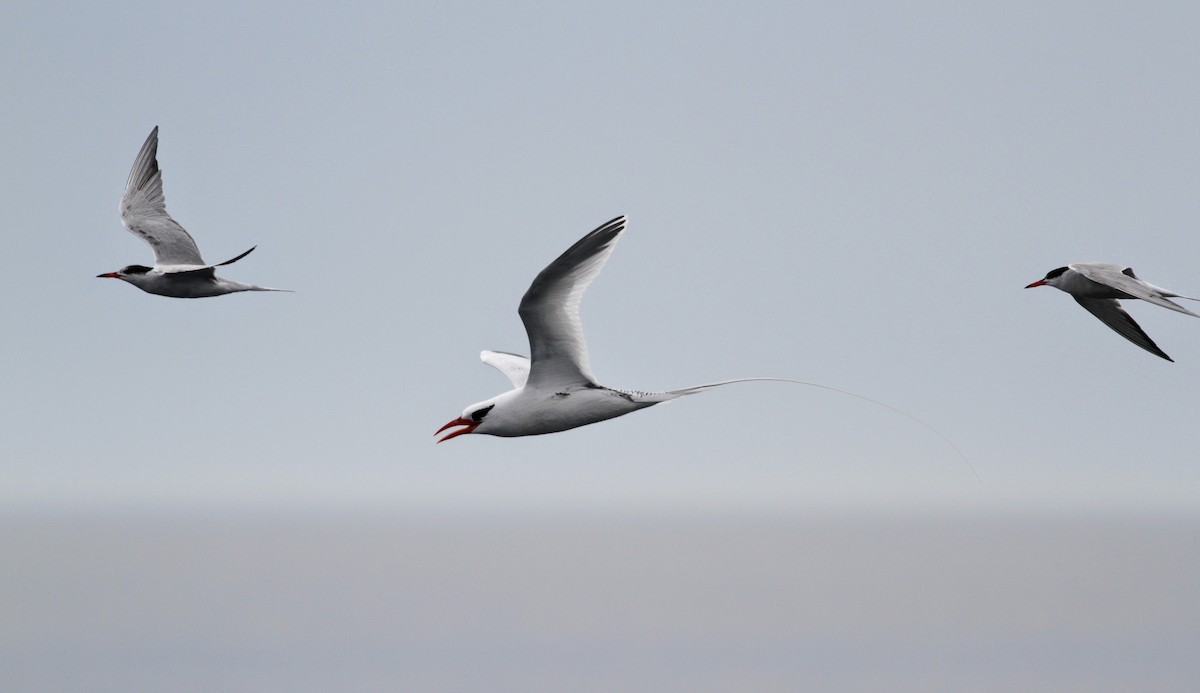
(672, 394)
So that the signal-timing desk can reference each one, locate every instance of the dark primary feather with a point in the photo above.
(233, 260)
(1112, 314)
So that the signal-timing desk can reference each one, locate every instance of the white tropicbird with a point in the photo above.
(555, 390)
(1097, 285)
(178, 269)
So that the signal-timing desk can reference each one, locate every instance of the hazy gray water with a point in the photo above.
(551, 602)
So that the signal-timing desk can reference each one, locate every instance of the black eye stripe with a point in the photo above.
(135, 269)
(478, 414)
(1055, 272)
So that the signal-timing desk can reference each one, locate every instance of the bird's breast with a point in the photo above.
(563, 409)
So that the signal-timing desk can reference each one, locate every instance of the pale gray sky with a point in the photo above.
(850, 193)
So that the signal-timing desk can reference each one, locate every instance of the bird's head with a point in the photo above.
(129, 273)
(1052, 278)
(474, 419)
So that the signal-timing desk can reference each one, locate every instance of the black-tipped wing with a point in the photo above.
(1112, 314)
(201, 270)
(230, 261)
(550, 310)
(144, 211)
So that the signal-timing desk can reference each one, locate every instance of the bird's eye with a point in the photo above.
(478, 414)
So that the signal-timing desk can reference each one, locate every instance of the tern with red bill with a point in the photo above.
(555, 389)
(1097, 286)
(178, 270)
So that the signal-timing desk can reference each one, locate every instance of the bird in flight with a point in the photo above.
(178, 269)
(555, 390)
(1097, 286)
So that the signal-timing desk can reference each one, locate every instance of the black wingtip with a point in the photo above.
(597, 238)
(1153, 349)
(145, 166)
(615, 224)
(233, 260)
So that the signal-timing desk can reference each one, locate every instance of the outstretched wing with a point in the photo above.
(1124, 280)
(513, 366)
(1112, 314)
(550, 310)
(144, 211)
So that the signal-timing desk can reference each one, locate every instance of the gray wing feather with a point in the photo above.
(144, 211)
(1112, 276)
(550, 309)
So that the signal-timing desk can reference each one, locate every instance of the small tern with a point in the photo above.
(1097, 286)
(178, 269)
(555, 390)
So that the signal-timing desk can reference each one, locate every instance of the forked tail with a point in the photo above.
(672, 394)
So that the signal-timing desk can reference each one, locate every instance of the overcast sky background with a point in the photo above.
(848, 193)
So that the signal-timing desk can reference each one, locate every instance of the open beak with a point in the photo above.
(108, 275)
(470, 426)
(1039, 282)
